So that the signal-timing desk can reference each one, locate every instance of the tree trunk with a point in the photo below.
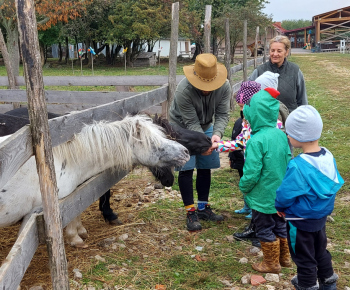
(67, 51)
(108, 55)
(60, 52)
(11, 77)
(13, 48)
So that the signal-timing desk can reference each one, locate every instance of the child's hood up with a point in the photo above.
(262, 109)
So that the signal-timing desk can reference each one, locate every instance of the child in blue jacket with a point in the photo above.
(305, 198)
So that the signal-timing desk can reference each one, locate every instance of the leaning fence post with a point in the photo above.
(256, 47)
(41, 140)
(172, 58)
(265, 46)
(245, 50)
(207, 28)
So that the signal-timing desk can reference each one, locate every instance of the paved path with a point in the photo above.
(300, 51)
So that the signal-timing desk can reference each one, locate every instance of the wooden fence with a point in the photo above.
(17, 149)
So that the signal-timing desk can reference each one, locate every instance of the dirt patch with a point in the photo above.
(128, 199)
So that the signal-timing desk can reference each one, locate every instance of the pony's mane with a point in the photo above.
(164, 123)
(113, 141)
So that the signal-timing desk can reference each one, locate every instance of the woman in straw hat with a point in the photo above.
(201, 103)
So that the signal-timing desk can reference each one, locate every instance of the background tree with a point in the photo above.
(294, 24)
(9, 23)
(136, 23)
(250, 11)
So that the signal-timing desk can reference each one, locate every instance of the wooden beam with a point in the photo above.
(98, 80)
(245, 25)
(172, 58)
(18, 259)
(336, 25)
(334, 19)
(207, 28)
(42, 142)
(62, 129)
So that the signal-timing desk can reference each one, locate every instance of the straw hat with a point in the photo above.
(206, 74)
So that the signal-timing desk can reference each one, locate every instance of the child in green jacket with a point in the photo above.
(267, 155)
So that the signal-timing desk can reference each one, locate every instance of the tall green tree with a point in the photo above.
(294, 24)
(252, 12)
(136, 23)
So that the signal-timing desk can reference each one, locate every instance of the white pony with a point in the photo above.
(121, 144)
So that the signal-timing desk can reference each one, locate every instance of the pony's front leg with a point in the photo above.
(82, 232)
(72, 234)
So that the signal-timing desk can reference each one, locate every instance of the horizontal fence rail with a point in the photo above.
(17, 149)
(98, 80)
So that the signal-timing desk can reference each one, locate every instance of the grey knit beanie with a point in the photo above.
(268, 80)
(304, 124)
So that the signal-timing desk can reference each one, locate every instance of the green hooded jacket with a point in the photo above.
(267, 153)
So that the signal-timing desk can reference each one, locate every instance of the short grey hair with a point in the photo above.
(281, 39)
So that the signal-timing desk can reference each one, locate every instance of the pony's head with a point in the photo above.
(195, 142)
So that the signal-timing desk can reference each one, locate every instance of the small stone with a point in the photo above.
(168, 188)
(91, 288)
(78, 275)
(329, 240)
(256, 280)
(346, 265)
(225, 282)
(179, 248)
(243, 260)
(36, 288)
(230, 238)
(148, 190)
(347, 251)
(330, 219)
(158, 186)
(346, 288)
(198, 248)
(270, 287)
(347, 242)
(272, 277)
(209, 241)
(99, 258)
(106, 242)
(245, 279)
(145, 256)
(123, 237)
(125, 264)
(254, 250)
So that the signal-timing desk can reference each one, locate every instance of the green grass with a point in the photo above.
(328, 90)
(156, 256)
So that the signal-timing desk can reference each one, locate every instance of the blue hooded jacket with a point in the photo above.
(306, 192)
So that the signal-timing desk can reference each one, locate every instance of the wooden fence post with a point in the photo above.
(41, 141)
(207, 28)
(228, 58)
(256, 47)
(245, 50)
(172, 58)
(265, 45)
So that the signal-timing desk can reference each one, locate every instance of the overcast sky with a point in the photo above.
(301, 9)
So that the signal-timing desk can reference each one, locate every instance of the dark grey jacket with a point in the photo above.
(196, 112)
(291, 83)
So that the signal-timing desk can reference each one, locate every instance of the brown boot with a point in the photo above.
(270, 263)
(285, 260)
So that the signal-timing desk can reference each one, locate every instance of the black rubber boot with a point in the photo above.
(247, 234)
(208, 215)
(105, 207)
(329, 283)
(294, 282)
(192, 222)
